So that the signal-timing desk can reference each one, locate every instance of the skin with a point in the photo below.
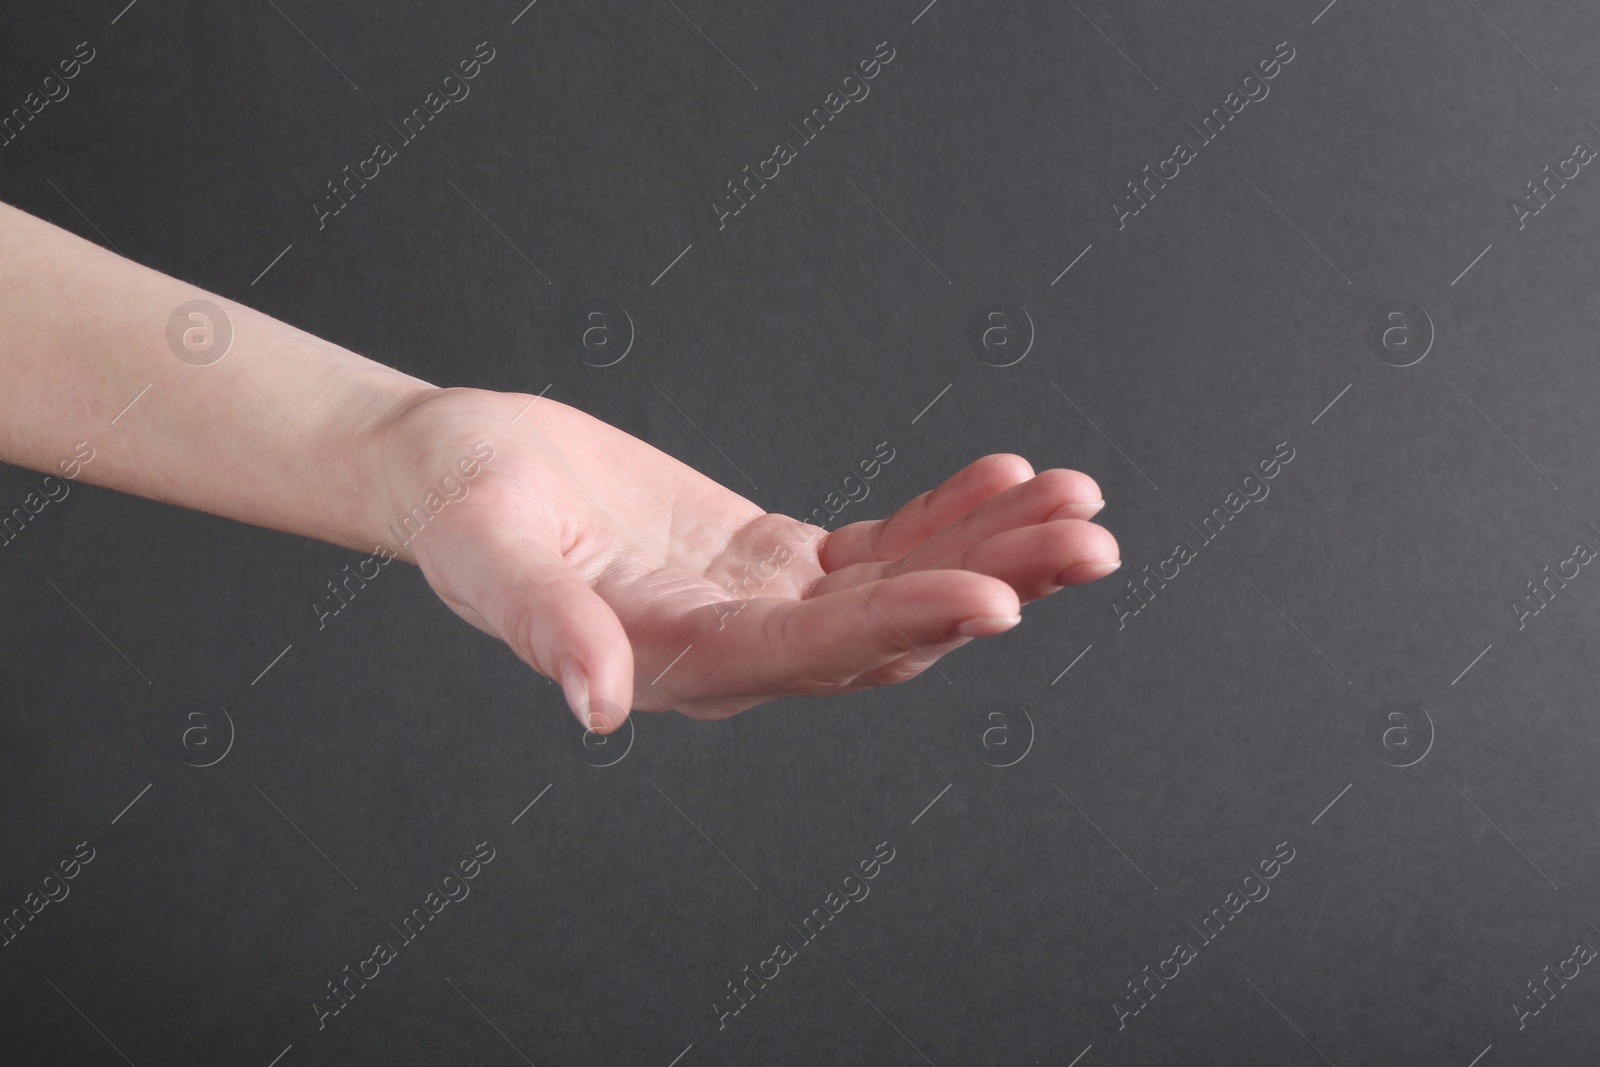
(597, 558)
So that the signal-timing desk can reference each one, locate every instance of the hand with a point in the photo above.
(600, 560)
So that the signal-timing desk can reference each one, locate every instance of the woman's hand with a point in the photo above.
(637, 582)
(633, 580)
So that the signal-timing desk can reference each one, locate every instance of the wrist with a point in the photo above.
(376, 429)
(422, 452)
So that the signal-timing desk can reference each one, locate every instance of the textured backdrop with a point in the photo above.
(1308, 289)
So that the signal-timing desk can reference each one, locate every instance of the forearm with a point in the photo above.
(280, 432)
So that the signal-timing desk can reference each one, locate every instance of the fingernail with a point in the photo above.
(987, 626)
(1079, 573)
(575, 687)
(1077, 509)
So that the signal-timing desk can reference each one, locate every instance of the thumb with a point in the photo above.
(556, 624)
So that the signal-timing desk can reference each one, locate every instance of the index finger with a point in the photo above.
(874, 540)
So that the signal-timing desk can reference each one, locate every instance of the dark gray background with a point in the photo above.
(1222, 721)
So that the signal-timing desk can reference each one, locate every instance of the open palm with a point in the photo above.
(639, 583)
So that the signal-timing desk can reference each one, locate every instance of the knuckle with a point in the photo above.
(798, 658)
(901, 670)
